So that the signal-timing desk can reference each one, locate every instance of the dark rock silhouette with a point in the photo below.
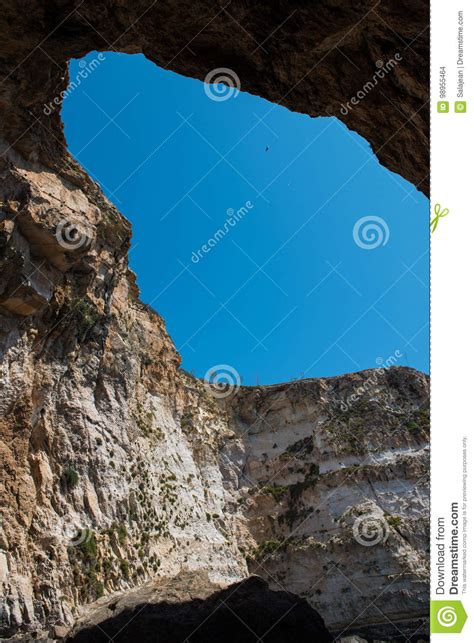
(310, 57)
(244, 612)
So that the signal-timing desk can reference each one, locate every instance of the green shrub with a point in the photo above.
(266, 548)
(70, 477)
(85, 315)
(274, 490)
(122, 534)
(106, 566)
(125, 568)
(98, 588)
(87, 545)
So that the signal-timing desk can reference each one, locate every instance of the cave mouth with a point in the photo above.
(274, 245)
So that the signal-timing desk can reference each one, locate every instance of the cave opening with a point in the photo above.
(274, 245)
(124, 473)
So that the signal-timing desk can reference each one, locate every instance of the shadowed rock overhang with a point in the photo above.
(311, 57)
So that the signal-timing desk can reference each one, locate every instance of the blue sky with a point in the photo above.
(286, 292)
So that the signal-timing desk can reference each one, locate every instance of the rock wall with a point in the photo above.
(120, 468)
(336, 496)
(96, 420)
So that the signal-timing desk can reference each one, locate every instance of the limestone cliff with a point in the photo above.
(336, 496)
(118, 467)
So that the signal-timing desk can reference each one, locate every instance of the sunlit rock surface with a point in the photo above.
(119, 469)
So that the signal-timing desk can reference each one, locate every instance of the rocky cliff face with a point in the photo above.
(121, 468)
(336, 496)
(118, 467)
(101, 430)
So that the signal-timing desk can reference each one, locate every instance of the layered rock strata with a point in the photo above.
(118, 467)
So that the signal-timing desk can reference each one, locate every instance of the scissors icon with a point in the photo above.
(439, 214)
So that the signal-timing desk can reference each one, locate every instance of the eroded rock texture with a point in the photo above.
(316, 466)
(117, 467)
